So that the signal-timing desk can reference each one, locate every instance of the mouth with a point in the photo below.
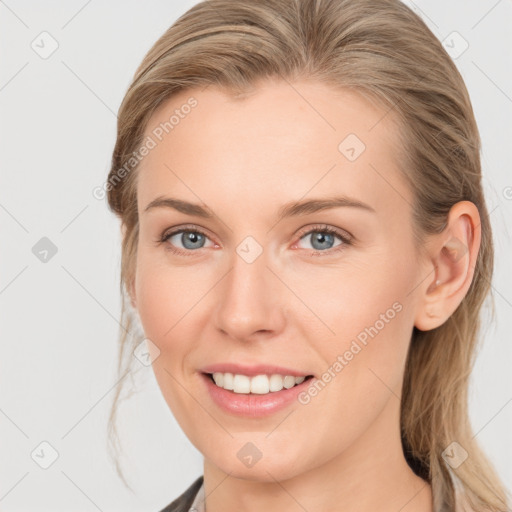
(262, 384)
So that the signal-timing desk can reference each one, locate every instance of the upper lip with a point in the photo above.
(252, 370)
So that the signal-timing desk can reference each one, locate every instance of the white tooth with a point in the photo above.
(241, 384)
(289, 381)
(228, 381)
(218, 377)
(260, 385)
(276, 382)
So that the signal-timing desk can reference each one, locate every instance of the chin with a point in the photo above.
(244, 460)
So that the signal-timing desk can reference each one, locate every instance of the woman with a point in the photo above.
(307, 247)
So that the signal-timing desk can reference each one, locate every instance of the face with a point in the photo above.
(298, 259)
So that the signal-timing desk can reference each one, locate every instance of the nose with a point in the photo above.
(249, 303)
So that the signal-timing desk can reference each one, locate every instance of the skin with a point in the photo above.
(244, 159)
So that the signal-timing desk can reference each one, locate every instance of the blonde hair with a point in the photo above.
(384, 51)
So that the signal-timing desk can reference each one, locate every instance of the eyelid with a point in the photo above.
(346, 238)
(168, 233)
(341, 233)
(185, 227)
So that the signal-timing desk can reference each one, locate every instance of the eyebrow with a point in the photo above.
(181, 206)
(293, 209)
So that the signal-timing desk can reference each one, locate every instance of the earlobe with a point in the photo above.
(453, 255)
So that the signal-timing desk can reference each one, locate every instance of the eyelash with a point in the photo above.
(347, 240)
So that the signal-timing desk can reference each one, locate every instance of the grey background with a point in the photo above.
(59, 319)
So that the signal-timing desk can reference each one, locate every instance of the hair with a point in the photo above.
(383, 51)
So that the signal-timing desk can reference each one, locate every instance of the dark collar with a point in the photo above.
(184, 502)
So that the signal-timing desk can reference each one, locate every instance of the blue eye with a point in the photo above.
(191, 239)
(322, 239)
(194, 238)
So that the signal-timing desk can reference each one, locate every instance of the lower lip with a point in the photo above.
(252, 405)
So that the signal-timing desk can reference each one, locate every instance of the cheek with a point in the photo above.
(153, 299)
(171, 305)
(166, 295)
(367, 315)
(165, 303)
(363, 370)
(349, 300)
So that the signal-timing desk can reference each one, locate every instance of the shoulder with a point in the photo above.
(183, 502)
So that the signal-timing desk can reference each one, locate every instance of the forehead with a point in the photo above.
(281, 141)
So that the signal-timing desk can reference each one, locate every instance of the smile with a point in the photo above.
(254, 396)
(258, 384)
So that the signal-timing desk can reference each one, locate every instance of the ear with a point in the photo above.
(130, 286)
(452, 259)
